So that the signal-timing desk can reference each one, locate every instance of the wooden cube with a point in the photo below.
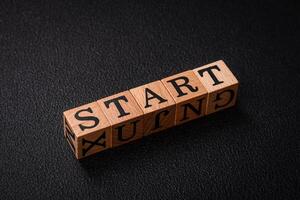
(157, 105)
(87, 130)
(125, 116)
(221, 85)
(189, 94)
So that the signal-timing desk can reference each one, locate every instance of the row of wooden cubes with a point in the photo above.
(141, 111)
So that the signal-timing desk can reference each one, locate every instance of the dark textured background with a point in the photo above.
(59, 55)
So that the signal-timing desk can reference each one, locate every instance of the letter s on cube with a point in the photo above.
(87, 130)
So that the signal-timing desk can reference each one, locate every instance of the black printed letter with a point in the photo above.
(184, 84)
(192, 108)
(120, 131)
(210, 72)
(94, 143)
(116, 101)
(153, 96)
(86, 118)
(157, 119)
(218, 97)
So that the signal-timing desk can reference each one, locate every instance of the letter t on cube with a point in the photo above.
(125, 116)
(221, 85)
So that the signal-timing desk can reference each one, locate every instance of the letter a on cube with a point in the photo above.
(158, 106)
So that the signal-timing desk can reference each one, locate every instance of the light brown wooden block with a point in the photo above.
(125, 116)
(189, 94)
(157, 105)
(87, 130)
(220, 83)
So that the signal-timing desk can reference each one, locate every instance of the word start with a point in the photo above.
(141, 111)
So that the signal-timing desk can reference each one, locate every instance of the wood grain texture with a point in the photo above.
(157, 105)
(221, 84)
(188, 93)
(87, 130)
(125, 116)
